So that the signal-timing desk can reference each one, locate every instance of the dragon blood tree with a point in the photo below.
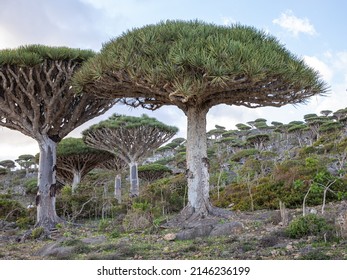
(36, 98)
(117, 165)
(195, 66)
(129, 138)
(75, 159)
(26, 161)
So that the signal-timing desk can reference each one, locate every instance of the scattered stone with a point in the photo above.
(170, 237)
(341, 224)
(166, 249)
(7, 225)
(280, 245)
(269, 241)
(225, 254)
(192, 233)
(56, 250)
(227, 229)
(95, 240)
(307, 249)
(216, 229)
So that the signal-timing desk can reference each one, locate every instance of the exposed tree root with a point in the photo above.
(189, 218)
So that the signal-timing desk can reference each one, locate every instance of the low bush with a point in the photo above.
(88, 202)
(310, 224)
(31, 186)
(11, 210)
(164, 196)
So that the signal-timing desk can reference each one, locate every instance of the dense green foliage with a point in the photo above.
(11, 209)
(31, 186)
(152, 172)
(32, 55)
(308, 225)
(73, 146)
(190, 56)
(129, 122)
(8, 164)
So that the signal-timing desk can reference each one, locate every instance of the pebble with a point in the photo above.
(169, 237)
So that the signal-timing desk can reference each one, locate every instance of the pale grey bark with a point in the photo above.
(45, 200)
(39, 102)
(134, 180)
(197, 162)
(118, 188)
(77, 176)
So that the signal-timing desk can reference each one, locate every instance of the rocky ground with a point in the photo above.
(251, 236)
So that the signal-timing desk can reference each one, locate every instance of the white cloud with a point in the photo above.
(14, 144)
(341, 61)
(228, 20)
(295, 25)
(325, 71)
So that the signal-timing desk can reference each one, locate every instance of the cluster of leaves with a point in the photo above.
(130, 122)
(152, 172)
(189, 56)
(74, 146)
(32, 55)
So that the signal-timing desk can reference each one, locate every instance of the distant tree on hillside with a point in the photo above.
(258, 140)
(75, 160)
(36, 99)
(129, 138)
(326, 113)
(8, 164)
(26, 161)
(298, 131)
(314, 122)
(244, 127)
(216, 133)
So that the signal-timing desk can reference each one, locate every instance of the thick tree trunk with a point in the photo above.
(199, 205)
(45, 199)
(197, 164)
(76, 180)
(134, 180)
(118, 188)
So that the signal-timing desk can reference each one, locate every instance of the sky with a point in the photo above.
(311, 29)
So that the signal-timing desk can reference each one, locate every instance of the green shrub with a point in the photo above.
(3, 171)
(11, 210)
(86, 202)
(31, 186)
(315, 255)
(25, 222)
(37, 232)
(152, 172)
(136, 220)
(104, 225)
(244, 154)
(308, 225)
(164, 196)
